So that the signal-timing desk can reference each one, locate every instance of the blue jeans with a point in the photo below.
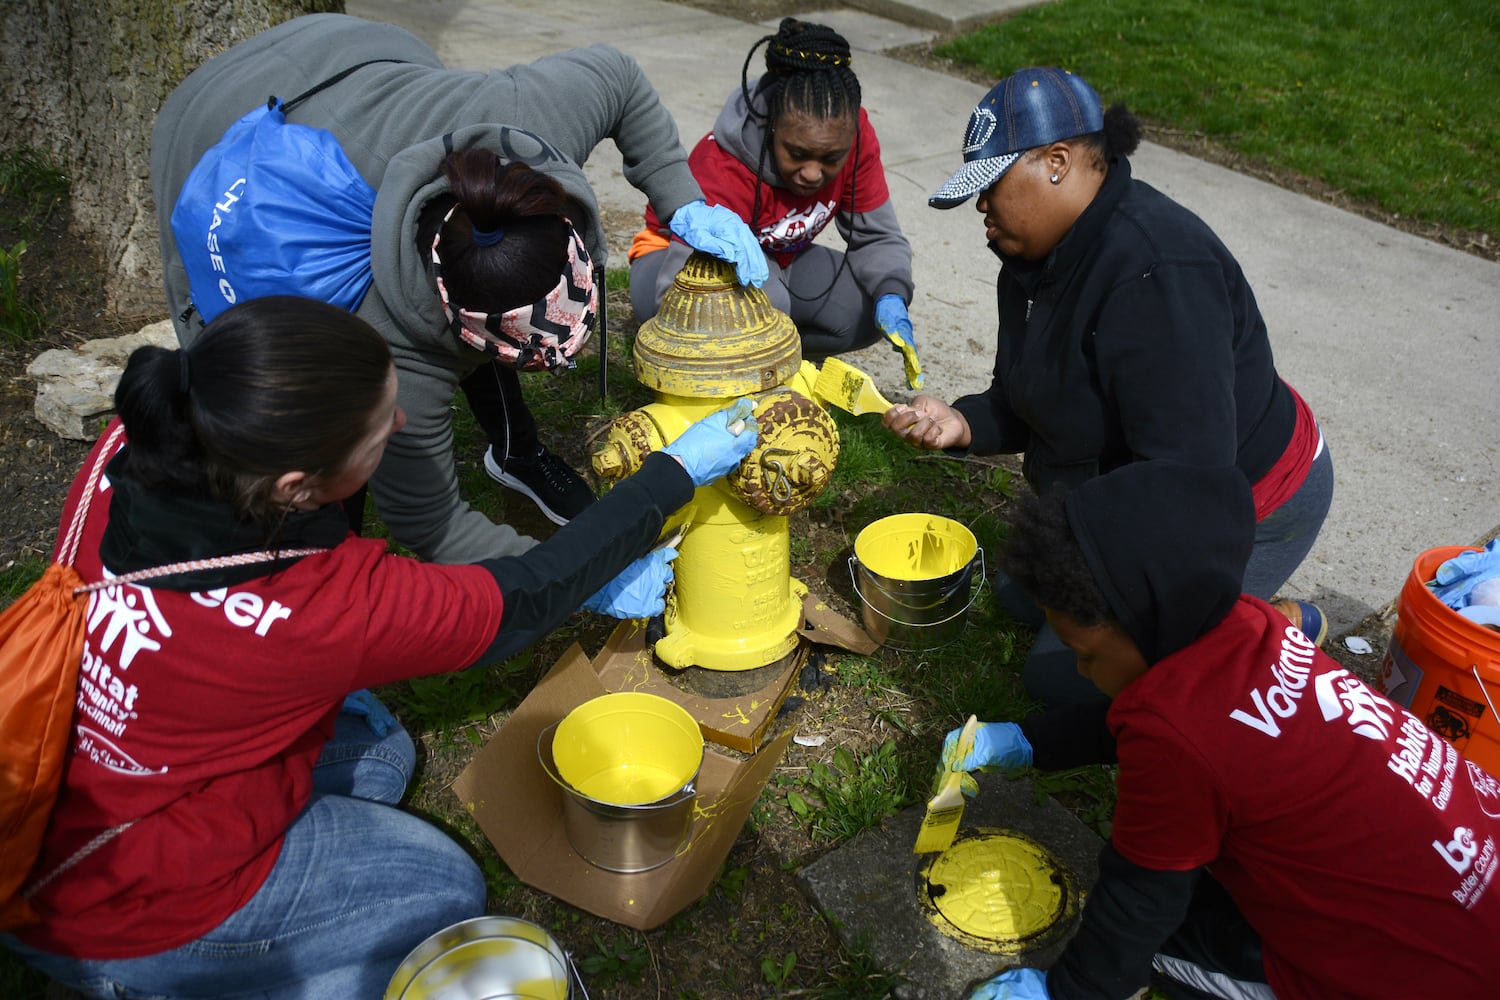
(357, 886)
(1282, 541)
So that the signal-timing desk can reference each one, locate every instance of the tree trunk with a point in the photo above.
(84, 79)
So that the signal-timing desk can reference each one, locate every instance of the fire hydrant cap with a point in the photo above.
(713, 337)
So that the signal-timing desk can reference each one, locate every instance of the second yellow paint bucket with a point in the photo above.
(627, 764)
(915, 577)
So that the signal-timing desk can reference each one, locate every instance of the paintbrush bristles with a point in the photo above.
(841, 384)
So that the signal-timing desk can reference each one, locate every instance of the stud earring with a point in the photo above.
(1055, 178)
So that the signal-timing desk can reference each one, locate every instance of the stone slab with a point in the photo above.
(868, 888)
(865, 31)
(943, 15)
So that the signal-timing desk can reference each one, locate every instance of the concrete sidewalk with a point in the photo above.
(1389, 337)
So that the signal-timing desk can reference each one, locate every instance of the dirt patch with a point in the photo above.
(58, 279)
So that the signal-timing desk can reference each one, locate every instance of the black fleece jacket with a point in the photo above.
(1138, 337)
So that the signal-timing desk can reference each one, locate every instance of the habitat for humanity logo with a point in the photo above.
(122, 622)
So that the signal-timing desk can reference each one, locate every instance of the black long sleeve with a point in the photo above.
(1130, 912)
(1070, 736)
(547, 583)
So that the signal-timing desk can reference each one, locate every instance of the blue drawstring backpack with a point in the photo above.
(275, 208)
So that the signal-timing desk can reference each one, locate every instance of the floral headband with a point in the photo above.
(542, 336)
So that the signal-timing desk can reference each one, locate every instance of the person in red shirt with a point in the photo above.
(222, 828)
(790, 152)
(1281, 829)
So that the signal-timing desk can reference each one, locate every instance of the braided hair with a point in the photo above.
(808, 71)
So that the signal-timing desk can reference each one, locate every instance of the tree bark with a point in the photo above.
(84, 80)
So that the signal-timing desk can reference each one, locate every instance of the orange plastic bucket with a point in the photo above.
(1444, 668)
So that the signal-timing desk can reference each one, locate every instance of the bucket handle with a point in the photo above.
(973, 596)
(1474, 669)
(544, 757)
(577, 976)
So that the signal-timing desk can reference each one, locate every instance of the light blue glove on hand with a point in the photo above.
(640, 590)
(716, 230)
(996, 744)
(1016, 984)
(376, 715)
(712, 447)
(1457, 577)
(892, 318)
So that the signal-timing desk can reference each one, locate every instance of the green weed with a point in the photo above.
(1088, 792)
(857, 976)
(19, 319)
(16, 577)
(623, 958)
(35, 184)
(778, 971)
(451, 703)
(848, 795)
(34, 190)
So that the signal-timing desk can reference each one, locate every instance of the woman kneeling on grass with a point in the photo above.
(223, 829)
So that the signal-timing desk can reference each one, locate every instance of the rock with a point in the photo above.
(76, 388)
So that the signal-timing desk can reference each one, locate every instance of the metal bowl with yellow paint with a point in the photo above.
(485, 958)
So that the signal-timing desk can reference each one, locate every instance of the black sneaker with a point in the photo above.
(561, 493)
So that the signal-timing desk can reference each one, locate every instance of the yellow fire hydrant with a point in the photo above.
(734, 604)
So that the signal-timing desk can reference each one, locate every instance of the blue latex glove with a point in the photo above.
(640, 589)
(716, 445)
(996, 744)
(376, 715)
(1016, 984)
(715, 229)
(891, 317)
(1461, 574)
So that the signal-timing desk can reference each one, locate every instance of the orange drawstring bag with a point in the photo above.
(41, 650)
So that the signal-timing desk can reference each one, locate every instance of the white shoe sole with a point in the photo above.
(505, 479)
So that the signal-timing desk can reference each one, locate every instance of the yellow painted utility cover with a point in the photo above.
(999, 891)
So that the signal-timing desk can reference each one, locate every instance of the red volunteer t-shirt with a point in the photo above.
(787, 223)
(1358, 844)
(200, 715)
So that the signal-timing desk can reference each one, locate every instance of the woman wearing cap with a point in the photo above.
(400, 117)
(1127, 332)
(791, 151)
(222, 828)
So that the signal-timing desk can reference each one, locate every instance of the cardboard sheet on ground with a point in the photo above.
(520, 809)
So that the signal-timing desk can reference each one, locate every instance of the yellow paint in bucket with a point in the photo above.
(915, 547)
(628, 748)
(913, 574)
(1000, 891)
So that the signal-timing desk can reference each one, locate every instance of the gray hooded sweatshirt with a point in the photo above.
(395, 122)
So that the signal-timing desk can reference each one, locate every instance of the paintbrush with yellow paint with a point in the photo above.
(845, 386)
(946, 808)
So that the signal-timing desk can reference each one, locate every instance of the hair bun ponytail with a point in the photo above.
(799, 45)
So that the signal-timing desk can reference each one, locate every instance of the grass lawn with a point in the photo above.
(1390, 101)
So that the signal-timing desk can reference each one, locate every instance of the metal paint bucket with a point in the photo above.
(914, 574)
(627, 764)
(486, 958)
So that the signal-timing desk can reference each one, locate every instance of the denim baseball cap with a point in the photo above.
(1031, 107)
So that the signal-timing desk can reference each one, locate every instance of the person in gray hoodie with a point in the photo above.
(398, 114)
(789, 153)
